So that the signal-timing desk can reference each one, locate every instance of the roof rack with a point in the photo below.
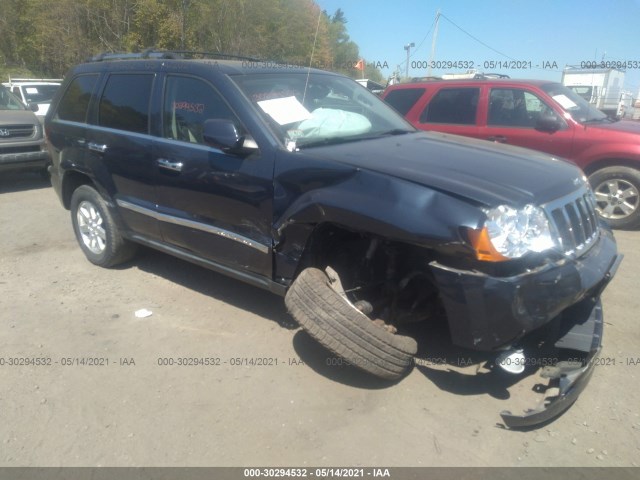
(150, 53)
(14, 80)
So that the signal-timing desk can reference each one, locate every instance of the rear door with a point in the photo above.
(512, 115)
(452, 110)
(68, 138)
(213, 204)
(119, 149)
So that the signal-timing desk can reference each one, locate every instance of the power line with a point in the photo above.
(475, 38)
(415, 50)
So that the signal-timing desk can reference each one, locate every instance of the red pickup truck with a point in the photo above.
(539, 115)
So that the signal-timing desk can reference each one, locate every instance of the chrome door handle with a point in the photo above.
(169, 165)
(97, 148)
(498, 138)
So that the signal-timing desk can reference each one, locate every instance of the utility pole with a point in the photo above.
(408, 48)
(433, 43)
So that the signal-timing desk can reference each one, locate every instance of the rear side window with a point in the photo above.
(404, 99)
(75, 102)
(125, 102)
(452, 105)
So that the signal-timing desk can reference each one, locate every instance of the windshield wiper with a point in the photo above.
(395, 131)
(356, 138)
(325, 141)
(598, 120)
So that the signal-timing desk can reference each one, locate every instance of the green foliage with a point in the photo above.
(46, 37)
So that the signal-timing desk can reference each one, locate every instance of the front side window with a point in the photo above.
(75, 102)
(452, 105)
(514, 107)
(125, 102)
(188, 102)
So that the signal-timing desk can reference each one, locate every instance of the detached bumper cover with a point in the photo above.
(567, 379)
(486, 313)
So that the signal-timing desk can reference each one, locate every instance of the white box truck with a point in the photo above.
(602, 87)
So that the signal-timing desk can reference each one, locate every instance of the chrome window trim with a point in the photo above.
(195, 225)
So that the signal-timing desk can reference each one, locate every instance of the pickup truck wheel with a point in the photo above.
(96, 231)
(345, 331)
(617, 192)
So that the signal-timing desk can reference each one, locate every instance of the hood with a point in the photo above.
(626, 126)
(17, 117)
(477, 170)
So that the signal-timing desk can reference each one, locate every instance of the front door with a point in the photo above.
(213, 204)
(512, 115)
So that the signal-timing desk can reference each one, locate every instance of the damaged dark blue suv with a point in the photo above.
(302, 182)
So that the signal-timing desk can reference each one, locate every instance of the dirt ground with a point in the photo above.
(289, 408)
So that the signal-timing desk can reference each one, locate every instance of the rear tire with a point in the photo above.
(343, 330)
(96, 232)
(617, 192)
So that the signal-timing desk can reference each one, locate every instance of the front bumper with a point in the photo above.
(24, 160)
(487, 313)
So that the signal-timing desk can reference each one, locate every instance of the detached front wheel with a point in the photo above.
(345, 331)
(96, 232)
(617, 192)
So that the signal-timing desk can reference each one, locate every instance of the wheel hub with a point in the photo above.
(90, 226)
(616, 198)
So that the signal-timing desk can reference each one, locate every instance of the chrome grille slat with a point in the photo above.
(18, 131)
(587, 224)
(573, 221)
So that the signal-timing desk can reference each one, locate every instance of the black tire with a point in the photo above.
(617, 191)
(96, 232)
(340, 328)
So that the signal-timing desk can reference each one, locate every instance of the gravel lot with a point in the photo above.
(303, 411)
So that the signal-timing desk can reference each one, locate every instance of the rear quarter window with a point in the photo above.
(402, 100)
(124, 104)
(75, 102)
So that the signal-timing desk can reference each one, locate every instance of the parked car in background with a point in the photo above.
(373, 87)
(539, 115)
(37, 91)
(22, 144)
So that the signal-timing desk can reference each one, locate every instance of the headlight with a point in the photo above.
(509, 233)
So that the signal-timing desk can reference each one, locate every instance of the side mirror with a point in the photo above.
(548, 123)
(34, 107)
(223, 134)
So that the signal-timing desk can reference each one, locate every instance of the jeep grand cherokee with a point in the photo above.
(302, 182)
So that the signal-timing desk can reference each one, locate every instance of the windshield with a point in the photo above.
(8, 101)
(318, 109)
(39, 93)
(572, 103)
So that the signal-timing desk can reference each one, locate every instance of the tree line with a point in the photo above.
(44, 38)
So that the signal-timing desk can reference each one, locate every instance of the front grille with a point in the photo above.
(16, 131)
(574, 221)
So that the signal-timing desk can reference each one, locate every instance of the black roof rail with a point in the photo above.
(150, 53)
(216, 55)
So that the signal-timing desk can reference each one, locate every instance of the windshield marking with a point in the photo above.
(285, 110)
